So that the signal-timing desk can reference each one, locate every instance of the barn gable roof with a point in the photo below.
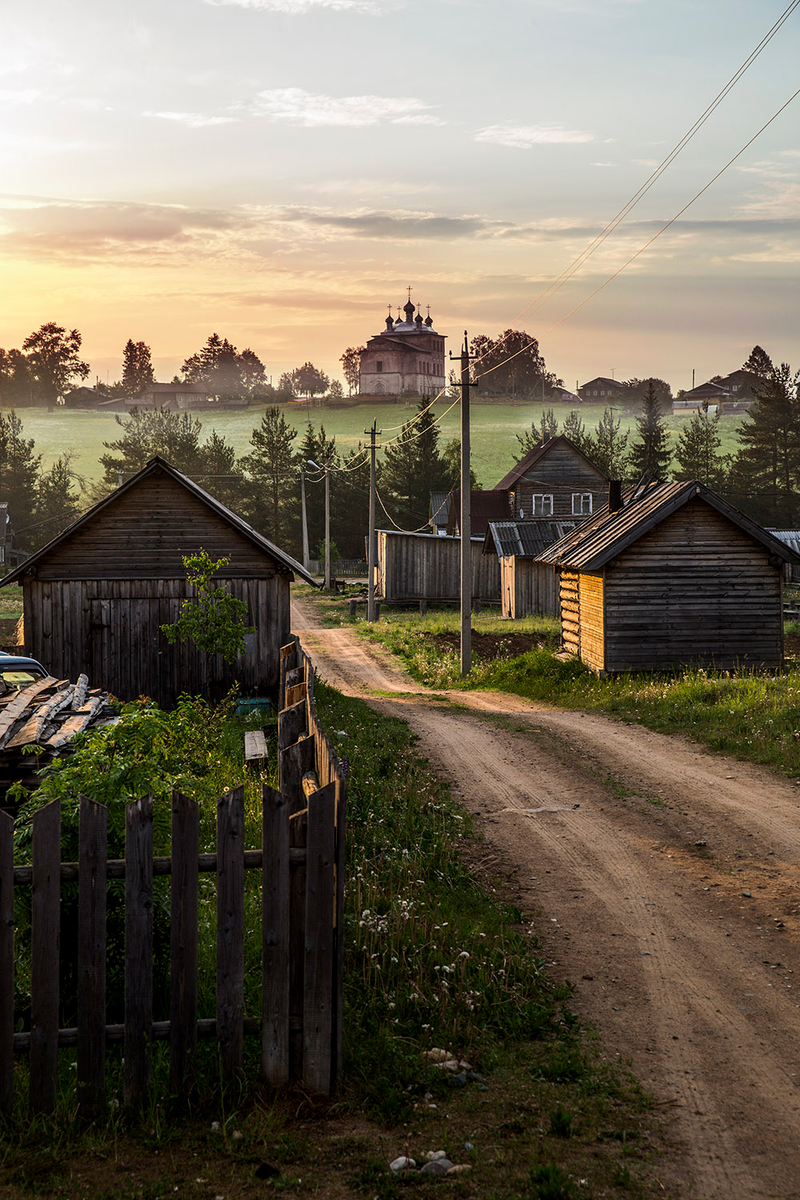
(524, 539)
(153, 467)
(607, 534)
(533, 456)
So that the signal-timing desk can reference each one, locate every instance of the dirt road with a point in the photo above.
(667, 880)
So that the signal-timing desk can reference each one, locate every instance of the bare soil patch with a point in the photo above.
(489, 646)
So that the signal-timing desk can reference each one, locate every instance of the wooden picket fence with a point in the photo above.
(302, 883)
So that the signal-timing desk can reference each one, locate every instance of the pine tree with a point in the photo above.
(221, 475)
(318, 448)
(770, 448)
(759, 363)
(57, 502)
(577, 433)
(274, 469)
(537, 435)
(20, 470)
(697, 451)
(174, 436)
(650, 453)
(609, 446)
(137, 368)
(451, 457)
(413, 468)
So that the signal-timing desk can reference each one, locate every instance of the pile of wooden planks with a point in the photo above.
(47, 714)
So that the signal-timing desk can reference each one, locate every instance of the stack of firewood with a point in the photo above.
(48, 714)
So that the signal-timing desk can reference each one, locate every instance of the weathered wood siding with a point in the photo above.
(428, 567)
(697, 589)
(591, 600)
(560, 473)
(112, 631)
(527, 588)
(145, 533)
(570, 612)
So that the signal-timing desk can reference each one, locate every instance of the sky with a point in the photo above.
(279, 171)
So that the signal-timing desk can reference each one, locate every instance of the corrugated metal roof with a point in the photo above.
(789, 537)
(606, 534)
(533, 456)
(439, 508)
(524, 539)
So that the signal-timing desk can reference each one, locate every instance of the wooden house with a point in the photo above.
(528, 587)
(485, 506)
(427, 566)
(555, 481)
(95, 598)
(670, 575)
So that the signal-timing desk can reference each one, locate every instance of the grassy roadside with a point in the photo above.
(753, 715)
(435, 959)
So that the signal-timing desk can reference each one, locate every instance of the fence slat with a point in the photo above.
(319, 937)
(183, 939)
(230, 931)
(275, 938)
(295, 762)
(93, 854)
(138, 947)
(338, 982)
(6, 964)
(45, 939)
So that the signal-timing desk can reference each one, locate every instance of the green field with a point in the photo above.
(494, 427)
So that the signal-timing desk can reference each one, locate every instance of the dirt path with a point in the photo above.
(669, 881)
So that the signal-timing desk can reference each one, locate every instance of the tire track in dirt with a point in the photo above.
(682, 972)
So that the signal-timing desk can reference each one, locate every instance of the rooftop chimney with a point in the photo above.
(614, 495)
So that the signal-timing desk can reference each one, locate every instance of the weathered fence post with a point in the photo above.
(92, 886)
(138, 948)
(184, 906)
(338, 979)
(45, 940)
(319, 948)
(275, 937)
(6, 964)
(230, 931)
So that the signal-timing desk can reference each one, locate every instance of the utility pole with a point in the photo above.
(304, 516)
(373, 433)
(466, 515)
(327, 526)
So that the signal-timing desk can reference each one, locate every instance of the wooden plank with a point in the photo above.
(92, 957)
(138, 948)
(319, 940)
(6, 964)
(255, 746)
(183, 942)
(17, 706)
(230, 932)
(115, 869)
(295, 762)
(292, 724)
(45, 940)
(275, 938)
(295, 694)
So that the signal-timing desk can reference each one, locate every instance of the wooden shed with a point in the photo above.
(427, 566)
(528, 587)
(95, 597)
(671, 575)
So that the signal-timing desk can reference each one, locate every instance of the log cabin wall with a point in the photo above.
(570, 612)
(96, 602)
(561, 473)
(698, 590)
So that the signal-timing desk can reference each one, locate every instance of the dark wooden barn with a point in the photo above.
(554, 481)
(671, 575)
(427, 566)
(95, 597)
(528, 588)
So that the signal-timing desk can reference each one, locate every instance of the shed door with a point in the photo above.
(126, 646)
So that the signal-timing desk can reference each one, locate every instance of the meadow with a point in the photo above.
(494, 429)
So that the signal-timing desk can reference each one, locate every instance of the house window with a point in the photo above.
(542, 506)
(581, 504)
(379, 366)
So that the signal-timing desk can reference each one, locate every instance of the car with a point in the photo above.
(18, 672)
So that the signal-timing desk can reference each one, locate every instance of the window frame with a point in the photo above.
(580, 511)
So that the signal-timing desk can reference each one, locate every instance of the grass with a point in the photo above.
(435, 957)
(494, 429)
(751, 714)
(11, 601)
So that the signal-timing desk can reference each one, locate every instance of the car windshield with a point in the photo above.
(20, 677)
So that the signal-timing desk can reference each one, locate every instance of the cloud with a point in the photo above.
(19, 95)
(192, 120)
(603, 164)
(522, 137)
(295, 106)
(392, 225)
(298, 7)
(778, 200)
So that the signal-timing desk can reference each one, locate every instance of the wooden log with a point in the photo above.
(138, 948)
(92, 957)
(183, 943)
(319, 940)
(6, 964)
(45, 940)
(275, 938)
(230, 932)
